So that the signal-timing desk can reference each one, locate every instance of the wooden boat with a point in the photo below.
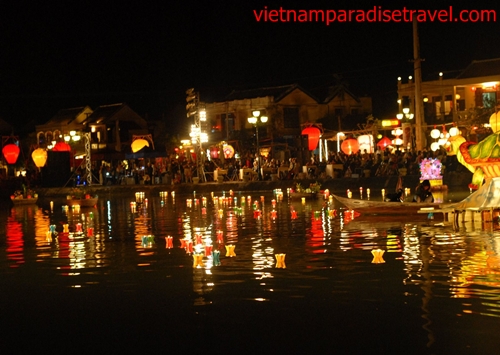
(382, 207)
(83, 202)
(24, 201)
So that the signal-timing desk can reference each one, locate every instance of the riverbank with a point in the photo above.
(456, 184)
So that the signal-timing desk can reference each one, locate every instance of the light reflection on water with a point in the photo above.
(431, 272)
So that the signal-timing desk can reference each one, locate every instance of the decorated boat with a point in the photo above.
(311, 192)
(382, 207)
(24, 201)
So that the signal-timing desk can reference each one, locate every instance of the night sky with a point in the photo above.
(147, 53)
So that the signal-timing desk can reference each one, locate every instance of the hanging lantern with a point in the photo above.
(313, 133)
(228, 151)
(61, 147)
(435, 133)
(138, 144)
(214, 152)
(384, 142)
(350, 146)
(39, 157)
(10, 153)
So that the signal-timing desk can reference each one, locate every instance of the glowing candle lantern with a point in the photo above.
(169, 241)
(274, 214)
(273, 203)
(316, 215)
(330, 199)
(39, 157)
(262, 199)
(199, 239)
(197, 260)
(221, 213)
(48, 237)
(51, 205)
(368, 193)
(183, 243)
(230, 250)
(294, 214)
(79, 228)
(361, 192)
(208, 250)
(65, 228)
(90, 232)
(377, 256)
(204, 201)
(173, 194)
(280, 261)
(303, 200)
(256, 214)
(231, 193)
(189, 203)
(52, 229)
(383, 194)
(349, 194)
(216, 258)
(203, 210)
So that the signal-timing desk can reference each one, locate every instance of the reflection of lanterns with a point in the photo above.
(62, 147)
(138, 144)
(313, 133)
(228, 151)
(10, 153)
(350, 146)
(39, 157)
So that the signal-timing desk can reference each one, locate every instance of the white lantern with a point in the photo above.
(434, 146)
(435, 133)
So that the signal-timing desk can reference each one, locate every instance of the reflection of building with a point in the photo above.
(468, 96)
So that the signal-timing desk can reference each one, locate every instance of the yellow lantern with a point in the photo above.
(39, 157)
(138, 144)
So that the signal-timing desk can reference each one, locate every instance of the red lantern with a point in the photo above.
(62, 147)
(350, 146)
(384, 142)
(214, 152)
(313, 133)
(10, 153)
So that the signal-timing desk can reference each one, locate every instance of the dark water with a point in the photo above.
(120, 288)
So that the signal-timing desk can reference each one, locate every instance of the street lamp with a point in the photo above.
(255, 120)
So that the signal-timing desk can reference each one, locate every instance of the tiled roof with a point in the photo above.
(480, 68)
(105, 112)
(277, 92)
(65, 116)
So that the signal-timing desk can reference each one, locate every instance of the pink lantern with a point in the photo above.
(10, 153)
(313, 133)
(350, 146)
(214, 152)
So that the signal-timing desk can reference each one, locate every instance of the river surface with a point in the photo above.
(239, 272)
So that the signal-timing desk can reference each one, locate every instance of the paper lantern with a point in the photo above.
(138, 144)
(214, 152)
(10, 153)
(61, 147)
(350, 146)
(384, 142)
(313, 133)
(228, 151)
(39, 157)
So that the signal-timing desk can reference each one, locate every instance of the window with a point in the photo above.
(291, 117)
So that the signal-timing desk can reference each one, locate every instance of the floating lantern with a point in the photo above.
(317, 214)
(197, 260)
(368, 193)
(79, 228)
(294, 214)
(274, 214)
(230, 250)
(350, 146)
(65, 228)
(203, 210)
(51, 205)
(221, 213)
(39, 157)
(138, 144)
(361, 192)
(383, 194)
(313, 135)
(48, 237)
(303, 200)
(280, 261)
(11, 153)
(169, 241)
(208, 250)
(256, 214)
(349, 194)
(332, 213)
(377, 256)
(199, 239)
(189, 203)
(273, 203)
(90, 232)
(183, 243)
(216, 257)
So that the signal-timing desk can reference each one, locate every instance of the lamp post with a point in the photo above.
(255, 120)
